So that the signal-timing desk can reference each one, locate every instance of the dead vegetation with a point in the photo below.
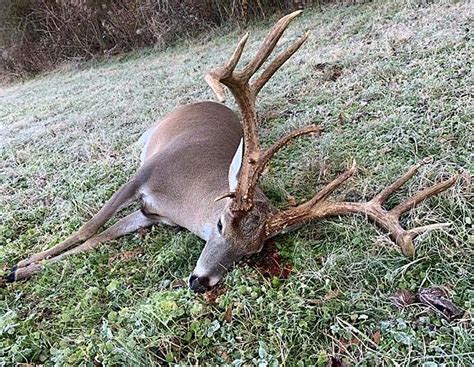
(38, 35)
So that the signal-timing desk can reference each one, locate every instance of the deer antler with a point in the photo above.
(319, 207)
(255, 159)
(245, 93)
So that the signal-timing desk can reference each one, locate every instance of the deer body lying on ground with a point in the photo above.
(200, 170)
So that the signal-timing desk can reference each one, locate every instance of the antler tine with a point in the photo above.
(226, 74)
(430, 227)
(333, 185)
(413, 201)
(267, 46)
(383, 195)
(249, 181)
(277, 63)
(273, 149)
(234, 59)
(319, 207)
(215, 75)
(216, 87)
(303, 212)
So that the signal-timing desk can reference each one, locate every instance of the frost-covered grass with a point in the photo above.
(391, 82)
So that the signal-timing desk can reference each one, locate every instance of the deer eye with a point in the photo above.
(219, 226)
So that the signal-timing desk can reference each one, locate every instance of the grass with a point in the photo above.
(391, 82)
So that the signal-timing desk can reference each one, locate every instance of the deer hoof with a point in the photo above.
(10, 278)
(22, 273)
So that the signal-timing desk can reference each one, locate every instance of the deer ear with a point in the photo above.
(234, 168)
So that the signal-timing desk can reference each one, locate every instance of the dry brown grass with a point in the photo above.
(38, 35)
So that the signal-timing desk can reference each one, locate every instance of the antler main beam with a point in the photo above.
(245, 93)
(319, 207)
(255, 159)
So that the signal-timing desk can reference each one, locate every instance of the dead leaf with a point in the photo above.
(142, 232)
(291, 200)
(403, 298)
(355, 341)
(228, 313)
(270, 263)
(327, 297)
(320, 66)
(287, 269)
(331, 294)
(126, 255)
(348, 342)
(337, 362)
(97, 362)
(333, 73)
(437, 298)
(178, 283)
(211, 295)
(223, 354)
(376, 336)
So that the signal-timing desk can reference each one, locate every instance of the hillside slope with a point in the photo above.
(391, 83)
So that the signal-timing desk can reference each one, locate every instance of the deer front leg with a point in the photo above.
(126, 225)
(122, 198)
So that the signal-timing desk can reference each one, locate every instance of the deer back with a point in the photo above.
(186, 160)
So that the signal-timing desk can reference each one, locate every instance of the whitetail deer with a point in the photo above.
(200, 169)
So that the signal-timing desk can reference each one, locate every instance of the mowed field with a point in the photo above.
(391, 83)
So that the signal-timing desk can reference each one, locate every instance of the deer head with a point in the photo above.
(248, 218)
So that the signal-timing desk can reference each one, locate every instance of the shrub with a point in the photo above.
(39, 34)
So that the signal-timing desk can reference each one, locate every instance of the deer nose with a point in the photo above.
(198, 284)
